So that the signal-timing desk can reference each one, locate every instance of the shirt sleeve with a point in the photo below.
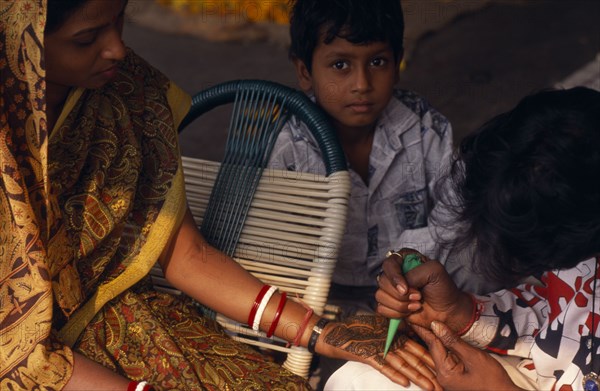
(296, 150)
(509, 320)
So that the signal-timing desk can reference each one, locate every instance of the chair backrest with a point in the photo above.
(284, 227)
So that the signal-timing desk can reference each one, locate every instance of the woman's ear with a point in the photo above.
(303, 75)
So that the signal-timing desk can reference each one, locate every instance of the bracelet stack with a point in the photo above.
(259, 306)
(277, 315)
(139, 386)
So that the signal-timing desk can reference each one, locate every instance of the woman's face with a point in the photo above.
(85, 50)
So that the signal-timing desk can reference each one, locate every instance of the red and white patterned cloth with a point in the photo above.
(549, 325)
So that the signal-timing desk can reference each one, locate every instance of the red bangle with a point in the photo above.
(474, 316)
(277, 315)
(303, 327)
(133, 386)
(256, 304)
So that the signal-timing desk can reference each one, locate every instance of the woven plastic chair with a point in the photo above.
(284, 227)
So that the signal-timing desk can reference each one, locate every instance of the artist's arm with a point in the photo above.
(460, 366)
(433, 296)
(217, 281)
(437, 318)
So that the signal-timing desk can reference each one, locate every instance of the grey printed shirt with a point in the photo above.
(412, 141)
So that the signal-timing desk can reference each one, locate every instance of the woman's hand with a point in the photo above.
(460, 366)
(362, 338)
(424, 294)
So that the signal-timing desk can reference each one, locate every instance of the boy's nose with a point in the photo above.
(115, 47)
(362, 81)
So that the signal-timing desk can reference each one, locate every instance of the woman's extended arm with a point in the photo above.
(88, 375)
(217, 281)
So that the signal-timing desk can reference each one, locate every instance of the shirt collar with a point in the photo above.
(395, 120)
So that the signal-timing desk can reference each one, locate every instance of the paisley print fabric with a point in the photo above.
(164, 340)
(28, 354)
(114, 160)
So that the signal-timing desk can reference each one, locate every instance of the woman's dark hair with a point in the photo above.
(527, 186)
(358, 21)
(58, 11)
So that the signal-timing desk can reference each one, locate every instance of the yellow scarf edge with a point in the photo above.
(140, 266)
(72, 99)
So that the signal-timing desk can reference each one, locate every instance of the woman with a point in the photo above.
(91, 196)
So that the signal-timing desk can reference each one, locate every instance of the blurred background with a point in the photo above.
(470, 58)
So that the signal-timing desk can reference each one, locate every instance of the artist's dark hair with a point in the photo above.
(358, 21)
(527, 186)
(58, 11)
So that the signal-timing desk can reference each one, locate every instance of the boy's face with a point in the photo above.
(353, 83)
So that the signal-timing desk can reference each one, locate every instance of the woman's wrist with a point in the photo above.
(315, 334)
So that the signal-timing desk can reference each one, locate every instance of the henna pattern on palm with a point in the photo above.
(362, 335)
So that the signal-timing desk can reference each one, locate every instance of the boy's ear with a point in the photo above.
(303, 75)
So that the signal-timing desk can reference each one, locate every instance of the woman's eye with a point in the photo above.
(85, 41)
(340, 65)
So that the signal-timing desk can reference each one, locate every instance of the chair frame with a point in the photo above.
(294, 226)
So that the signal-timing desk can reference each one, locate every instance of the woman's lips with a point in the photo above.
(110, 73)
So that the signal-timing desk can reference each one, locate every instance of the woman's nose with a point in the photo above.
(115, 47)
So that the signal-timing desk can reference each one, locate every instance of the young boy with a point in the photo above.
(347, 55)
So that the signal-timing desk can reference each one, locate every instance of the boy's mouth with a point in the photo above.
(361, 107)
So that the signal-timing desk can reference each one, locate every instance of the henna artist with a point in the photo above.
(527, 188)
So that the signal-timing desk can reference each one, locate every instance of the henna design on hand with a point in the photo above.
(362, 335)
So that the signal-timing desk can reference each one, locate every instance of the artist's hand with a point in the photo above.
(362, 338)
(460, 366)
(432, 294)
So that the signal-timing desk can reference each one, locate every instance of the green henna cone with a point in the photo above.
(410, 261)
(394, 324)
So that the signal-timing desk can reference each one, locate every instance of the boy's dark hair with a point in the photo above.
(358, 21)
(58, 11)
(528, 186)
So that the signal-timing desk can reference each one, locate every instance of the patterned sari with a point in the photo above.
(85, 212)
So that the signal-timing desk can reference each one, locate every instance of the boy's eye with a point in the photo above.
(378, 62)
(339, 65)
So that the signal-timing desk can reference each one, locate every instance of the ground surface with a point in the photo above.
(471, 67)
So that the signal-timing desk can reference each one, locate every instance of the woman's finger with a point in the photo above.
(403, 366)
(416, 363)
(420, 352)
